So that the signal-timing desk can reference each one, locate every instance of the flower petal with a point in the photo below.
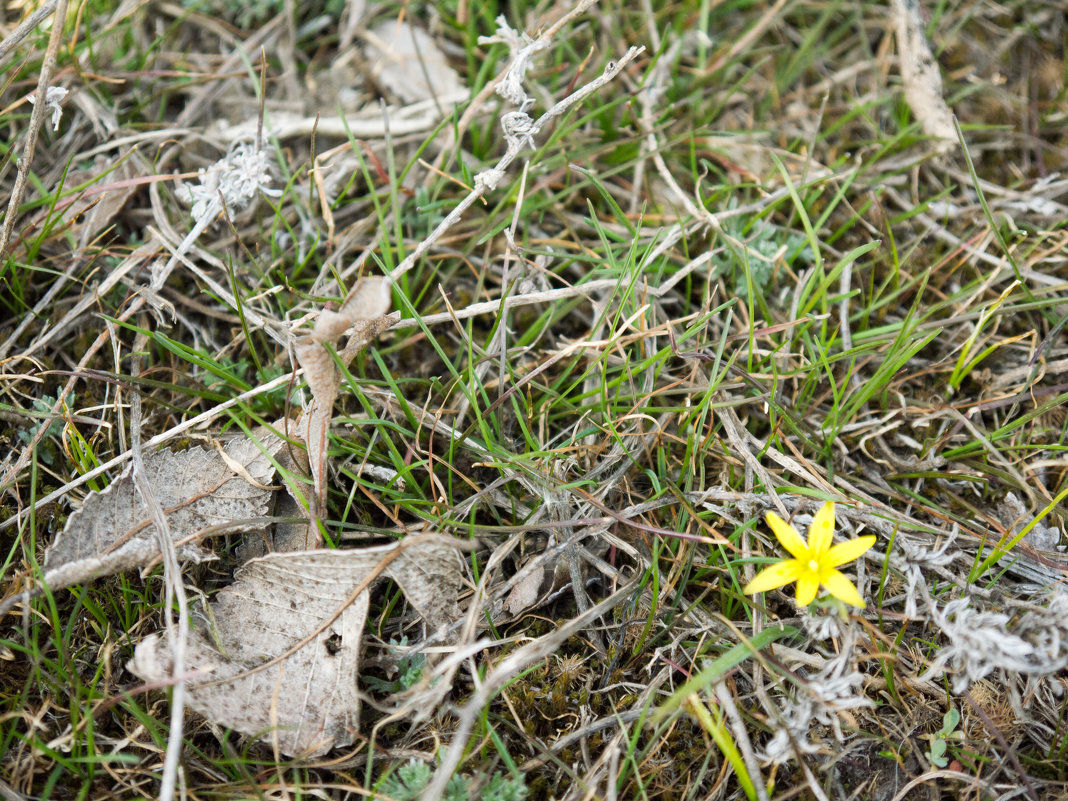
(774, 576)
(806, 588)
(842, 588)
(848, 551)
(788, 536)
(821, 532)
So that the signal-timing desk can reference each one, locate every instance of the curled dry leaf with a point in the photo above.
(539, 579)
(544, 576)
(919, 72)
(199, 492)
(363, 312)
(302, 615)
(526, 592)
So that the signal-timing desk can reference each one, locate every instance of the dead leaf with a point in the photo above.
(197, 489)
(407, 62)
(540, 578)
(96, 207)
(429, 576)
(525, 593)
(363, 311)
(285, 607)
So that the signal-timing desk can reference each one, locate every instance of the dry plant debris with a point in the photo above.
(363, 312)
(277, 653)
(920, 72)
(407, 62)
(551, 309)
(202, 491)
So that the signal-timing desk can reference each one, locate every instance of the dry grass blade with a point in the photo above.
(22, 31)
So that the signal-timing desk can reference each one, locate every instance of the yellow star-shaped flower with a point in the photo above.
(814, 562)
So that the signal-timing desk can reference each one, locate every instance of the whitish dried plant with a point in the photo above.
(981, 642)
(912, 559)
(233, 181)
(520, 130)
(228, 185)
(54, 98)
(522, 49)
(824, 695)
(823, 622)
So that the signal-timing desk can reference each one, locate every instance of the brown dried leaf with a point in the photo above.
(363, 311)
(362, 333)
(526, 592)
(329, 326)
(319, 370)
(308, 700)
(197, 489)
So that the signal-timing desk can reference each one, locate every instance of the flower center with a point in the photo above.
(813, 565)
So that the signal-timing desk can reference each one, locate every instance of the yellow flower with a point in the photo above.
(814, 562)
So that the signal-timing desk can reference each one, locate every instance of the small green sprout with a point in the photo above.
(409, 671)
(940, 739)
(412, 778)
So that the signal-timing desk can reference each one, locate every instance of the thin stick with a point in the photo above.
(23, 30)
(489, 179)
(174, 588)
(36, 119)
